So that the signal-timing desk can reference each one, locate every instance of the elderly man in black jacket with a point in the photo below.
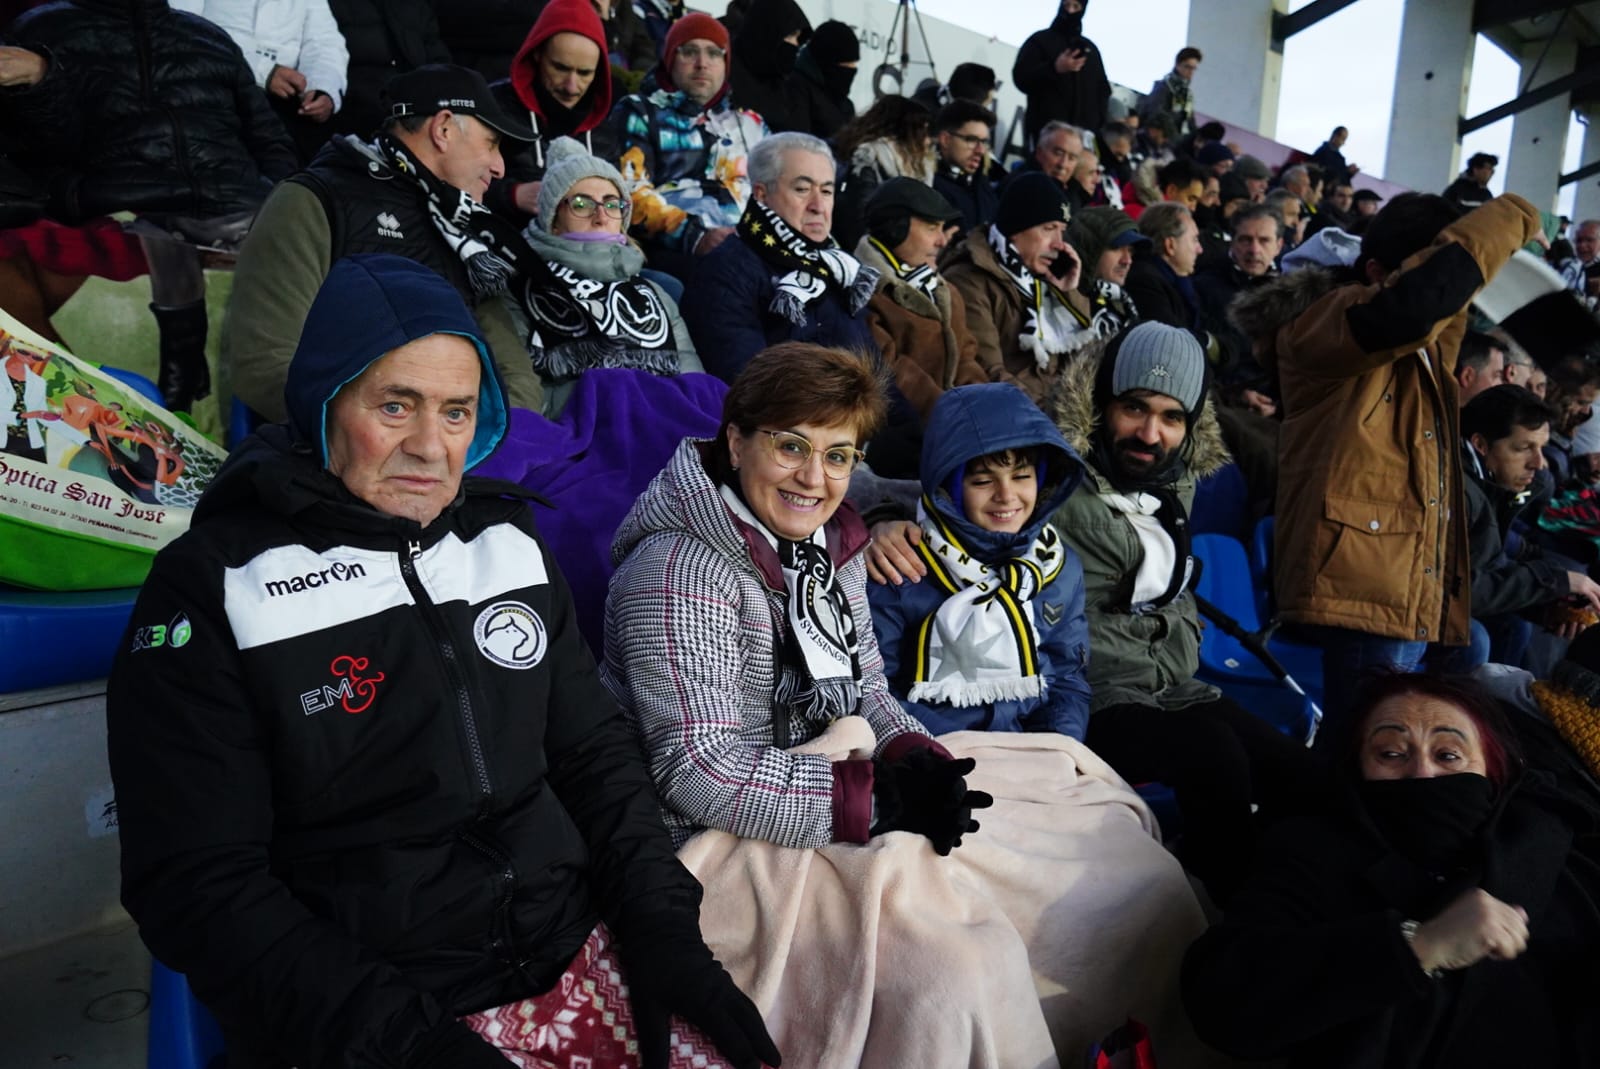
(375, 803)
(131, 106)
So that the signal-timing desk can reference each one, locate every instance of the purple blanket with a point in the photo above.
(617, 432)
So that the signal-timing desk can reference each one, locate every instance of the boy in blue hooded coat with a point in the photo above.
(994, 639)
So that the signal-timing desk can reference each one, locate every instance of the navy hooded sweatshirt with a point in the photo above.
(966, 423)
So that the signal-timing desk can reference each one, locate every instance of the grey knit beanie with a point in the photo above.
(1163, 359)
(567, 164)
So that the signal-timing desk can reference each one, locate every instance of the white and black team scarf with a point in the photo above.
(580, 323)
(981, 644)
(806, 269)
(918, 276)
(820, 677)
(1051, 327)
(490, 247)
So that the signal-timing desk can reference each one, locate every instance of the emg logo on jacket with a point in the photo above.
(337, 572)
(510, 634)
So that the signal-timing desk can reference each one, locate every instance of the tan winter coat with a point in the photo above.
(924, 341)
(996, 312)
(1372, 524)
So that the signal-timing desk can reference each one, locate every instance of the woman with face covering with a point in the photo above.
(1443, 912)
(583, 303)
(818, 89)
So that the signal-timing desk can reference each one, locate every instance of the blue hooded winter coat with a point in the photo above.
(969, 422)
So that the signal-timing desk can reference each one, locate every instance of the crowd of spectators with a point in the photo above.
(1021, 373)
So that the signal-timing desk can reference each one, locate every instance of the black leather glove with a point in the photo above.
(676, 973)
(925, 793)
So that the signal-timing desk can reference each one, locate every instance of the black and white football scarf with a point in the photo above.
(1051, 327)
(807, 269)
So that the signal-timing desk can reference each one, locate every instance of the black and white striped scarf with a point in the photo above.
(1051, 326)
(918, 276)
(491, 248)
(820, 678)
(807, 268)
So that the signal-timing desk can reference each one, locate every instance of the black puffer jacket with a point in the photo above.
(143, 109)
(385, 38)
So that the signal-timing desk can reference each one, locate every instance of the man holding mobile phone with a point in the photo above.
(1061, 71)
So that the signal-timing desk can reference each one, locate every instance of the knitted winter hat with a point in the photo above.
(695, 26)
(1248, 166)
(1162, 359)
(568, 164)
(1029, 200)
(1215, 152)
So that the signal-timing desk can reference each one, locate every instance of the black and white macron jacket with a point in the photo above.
(366, 776)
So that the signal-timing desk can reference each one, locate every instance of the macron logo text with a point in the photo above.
(337, 572)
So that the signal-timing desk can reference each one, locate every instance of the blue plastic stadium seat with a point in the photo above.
(1222, 504)
(135, 380)
(1261, 564)
(60, 637)
(1226, 582)
(183, 1034)
(242, 421)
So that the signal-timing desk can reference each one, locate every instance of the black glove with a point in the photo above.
(676, 973)
(924, 793)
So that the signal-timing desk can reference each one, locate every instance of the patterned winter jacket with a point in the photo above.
(695, 621)
(685, 165)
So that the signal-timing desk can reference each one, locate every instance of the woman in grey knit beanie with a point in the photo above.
(592, 308)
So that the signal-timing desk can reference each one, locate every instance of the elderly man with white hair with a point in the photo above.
(784, 278)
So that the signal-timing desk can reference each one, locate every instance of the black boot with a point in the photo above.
(184, 377)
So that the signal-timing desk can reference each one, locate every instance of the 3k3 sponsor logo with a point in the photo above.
(175, 634)
(352, 690)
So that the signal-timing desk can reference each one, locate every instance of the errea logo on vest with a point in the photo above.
(389, 226)
(337, 572)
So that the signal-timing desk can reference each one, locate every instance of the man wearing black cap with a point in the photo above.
(1365, 203)
(1019, 278)
(414, 191)
(918, 320)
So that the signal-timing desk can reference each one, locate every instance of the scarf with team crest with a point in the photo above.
(807, 269)
(981, 644)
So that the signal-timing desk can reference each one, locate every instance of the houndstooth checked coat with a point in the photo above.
(694, 622)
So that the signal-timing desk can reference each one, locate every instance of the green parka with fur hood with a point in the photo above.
(1147, 658)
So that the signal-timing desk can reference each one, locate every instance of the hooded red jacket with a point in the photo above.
(564, 16)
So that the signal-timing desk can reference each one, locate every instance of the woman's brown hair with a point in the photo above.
(797, 382)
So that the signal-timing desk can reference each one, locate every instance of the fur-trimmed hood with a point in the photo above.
(1072, 406)
(1263, 311)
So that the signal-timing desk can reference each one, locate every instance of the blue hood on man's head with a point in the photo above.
(974, 421)
(370, 305)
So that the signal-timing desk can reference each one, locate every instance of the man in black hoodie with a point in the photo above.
(764, 51)
(1063, 75)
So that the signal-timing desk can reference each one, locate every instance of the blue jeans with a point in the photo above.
(1349, 657)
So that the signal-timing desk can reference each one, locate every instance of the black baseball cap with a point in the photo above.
(902, 196)
(437, 87)
(1366, 194)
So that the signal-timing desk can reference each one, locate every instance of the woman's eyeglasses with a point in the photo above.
(583, 207)
(793, 451)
